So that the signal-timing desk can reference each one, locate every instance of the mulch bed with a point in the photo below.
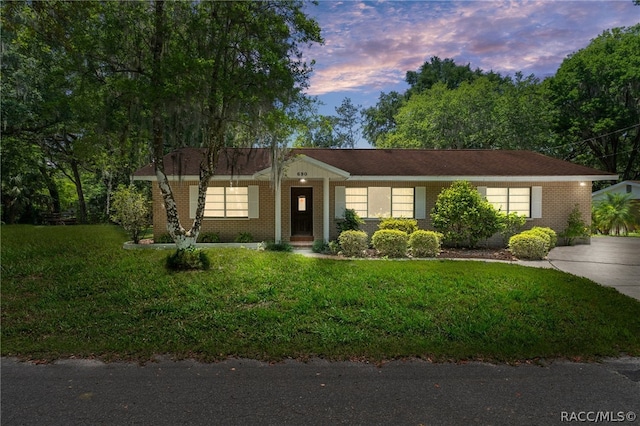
(478, 253)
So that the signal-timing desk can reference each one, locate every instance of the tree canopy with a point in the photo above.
(597, 95)
(169, 73)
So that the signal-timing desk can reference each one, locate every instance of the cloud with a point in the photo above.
(371, 45)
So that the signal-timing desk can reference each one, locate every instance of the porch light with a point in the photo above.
(583, 183)
(303, 180)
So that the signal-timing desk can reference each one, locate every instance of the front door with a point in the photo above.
(302, 212)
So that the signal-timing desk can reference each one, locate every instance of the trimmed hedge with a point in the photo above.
(545, 236)
(529, 245)
(390, 242)
(353, 243)
(425, 243)
(553, 237)
(401, 224)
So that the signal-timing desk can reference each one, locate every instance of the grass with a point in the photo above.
(73, 291)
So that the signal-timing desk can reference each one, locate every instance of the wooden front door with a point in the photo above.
(302, 212)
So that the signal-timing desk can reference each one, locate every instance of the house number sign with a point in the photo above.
(302, 174)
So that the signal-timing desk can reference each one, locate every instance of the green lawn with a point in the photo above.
(73, 291)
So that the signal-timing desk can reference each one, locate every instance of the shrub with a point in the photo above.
(529, 245)
(463, 216)
(188, 260)
(208, 237)
(613, 214)
(273, 246)
(390, 242)
(401, 224)
(553, 237)
(576, 227)
(131, 211)
(244, 237)
(510, 225)
(541, 234)
(353, 243)
(334, 247)
(351, 221)
(425, 243)
(163, 239)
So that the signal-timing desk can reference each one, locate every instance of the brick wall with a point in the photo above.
(558, 199)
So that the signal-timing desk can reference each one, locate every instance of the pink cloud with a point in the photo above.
(371, 45)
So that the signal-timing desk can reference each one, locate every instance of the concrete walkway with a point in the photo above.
(609, 261)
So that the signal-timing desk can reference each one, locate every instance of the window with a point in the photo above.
(511, 200)
(375, 202)
(227, 202)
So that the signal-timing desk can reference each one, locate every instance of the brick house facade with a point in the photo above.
(318, 184)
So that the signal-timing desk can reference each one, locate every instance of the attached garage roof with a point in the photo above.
(389, 163)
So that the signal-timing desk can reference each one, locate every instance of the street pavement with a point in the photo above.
(245, 392)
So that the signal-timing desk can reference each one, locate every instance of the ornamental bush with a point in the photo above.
(401, 224)
(351, 221)
(208, 237)
(390, 242)
(510, 225)
(131, 210)
(545, 236)
(188, 260)
(463, 216)
(353, 243)
(529, 245)
(425, 243)
(553, 237)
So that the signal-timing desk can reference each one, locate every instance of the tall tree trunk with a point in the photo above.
(181, 237)
(82, 205)
(51, 187)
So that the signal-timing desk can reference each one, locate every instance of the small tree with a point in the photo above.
(615, 214)
(131, 211)
(463, 216)
(351, 221)
(576, 227)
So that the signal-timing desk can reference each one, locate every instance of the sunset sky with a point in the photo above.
(370, 45)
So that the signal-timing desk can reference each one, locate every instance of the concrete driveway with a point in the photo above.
(610, 261)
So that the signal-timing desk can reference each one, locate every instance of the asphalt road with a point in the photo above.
(243, 392)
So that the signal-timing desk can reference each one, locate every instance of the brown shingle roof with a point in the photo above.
(386, 162)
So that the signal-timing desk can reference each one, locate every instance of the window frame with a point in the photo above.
(508, 206)
(228, 205)
(359, 198)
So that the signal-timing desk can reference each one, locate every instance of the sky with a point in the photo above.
(370, 45)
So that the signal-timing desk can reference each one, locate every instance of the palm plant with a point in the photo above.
(614, 214)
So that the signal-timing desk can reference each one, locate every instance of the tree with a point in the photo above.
(437, 71)
(209, 74)
(463, 216)
(597, 93)
(131, 210)
(444, 118)
(347, 121)
(615, 214)
(380, 119)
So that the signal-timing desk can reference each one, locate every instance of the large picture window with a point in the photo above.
(227, 202)
(511, 200)
(375, 202)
